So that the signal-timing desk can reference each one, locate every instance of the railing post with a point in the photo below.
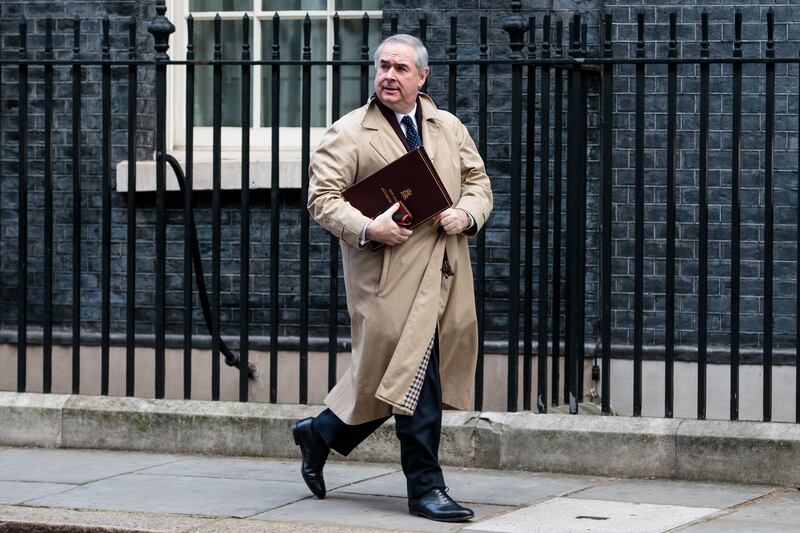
(672, 136)
(22, 213)
(702, 295)
(216, 208)
(161, 28)
(130, 304)
(736, 181)
(187, 215)
(305, 157)
(365, 84)
(607, 135)
(769, 216)
(638, 241)
(576, 218)
(333, 249)
(797, 291)
(558, 149)
(480, 286)
(47, 325)
(244, 241)
(530, 144)
(76, 206)
(544, 229)
(452, 70)
(105, 272)
(274, 212)
(516, 26)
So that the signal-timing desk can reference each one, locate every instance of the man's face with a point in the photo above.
(398, 80)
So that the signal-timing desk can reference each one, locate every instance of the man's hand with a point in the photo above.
(453, 221)
(384, 230)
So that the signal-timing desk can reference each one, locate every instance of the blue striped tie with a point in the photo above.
(411, 132)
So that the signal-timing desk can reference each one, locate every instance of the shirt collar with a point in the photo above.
(412, 114)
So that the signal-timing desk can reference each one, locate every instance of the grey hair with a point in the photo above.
(420, 52)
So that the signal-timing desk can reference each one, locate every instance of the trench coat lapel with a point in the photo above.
(431, 131)
(384, 140)
(382, 137)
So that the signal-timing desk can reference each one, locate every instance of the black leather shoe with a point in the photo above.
(437, 505)
(314, 453)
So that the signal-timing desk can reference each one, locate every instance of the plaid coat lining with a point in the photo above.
(412, 394)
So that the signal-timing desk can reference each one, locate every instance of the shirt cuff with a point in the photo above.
(362, 238)
(471, 227)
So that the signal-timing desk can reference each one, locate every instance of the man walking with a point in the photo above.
(411, 303)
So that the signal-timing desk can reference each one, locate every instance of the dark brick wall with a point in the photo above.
(721, 33)
(63, 13)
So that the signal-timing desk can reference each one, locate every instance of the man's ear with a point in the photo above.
(424, 77)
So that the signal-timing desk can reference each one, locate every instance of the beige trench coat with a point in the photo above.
(397, 295)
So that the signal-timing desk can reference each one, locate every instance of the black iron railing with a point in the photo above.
(545, 65)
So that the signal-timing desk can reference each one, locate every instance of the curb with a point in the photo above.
(708, 450)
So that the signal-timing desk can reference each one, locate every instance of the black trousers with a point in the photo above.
(419, 433)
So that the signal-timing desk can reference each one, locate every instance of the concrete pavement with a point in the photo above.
(765, 453)
(91, 490)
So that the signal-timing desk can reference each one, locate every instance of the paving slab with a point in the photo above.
(484, 486)
(597, 516)
(120, 521)
(179, 495)
(336, 473)
(72, 466)
(780, 512)
(360, 510)
(12, 492)
(33, 518)
(135, 491)
(667, 492)
(726, 525)
(235, 525)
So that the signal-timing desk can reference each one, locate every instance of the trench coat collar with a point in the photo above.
(385, 141)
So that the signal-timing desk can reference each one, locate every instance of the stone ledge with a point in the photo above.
(230, 176)
(31, 419)
(742, 452)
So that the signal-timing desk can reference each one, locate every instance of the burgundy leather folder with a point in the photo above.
(411, 180)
